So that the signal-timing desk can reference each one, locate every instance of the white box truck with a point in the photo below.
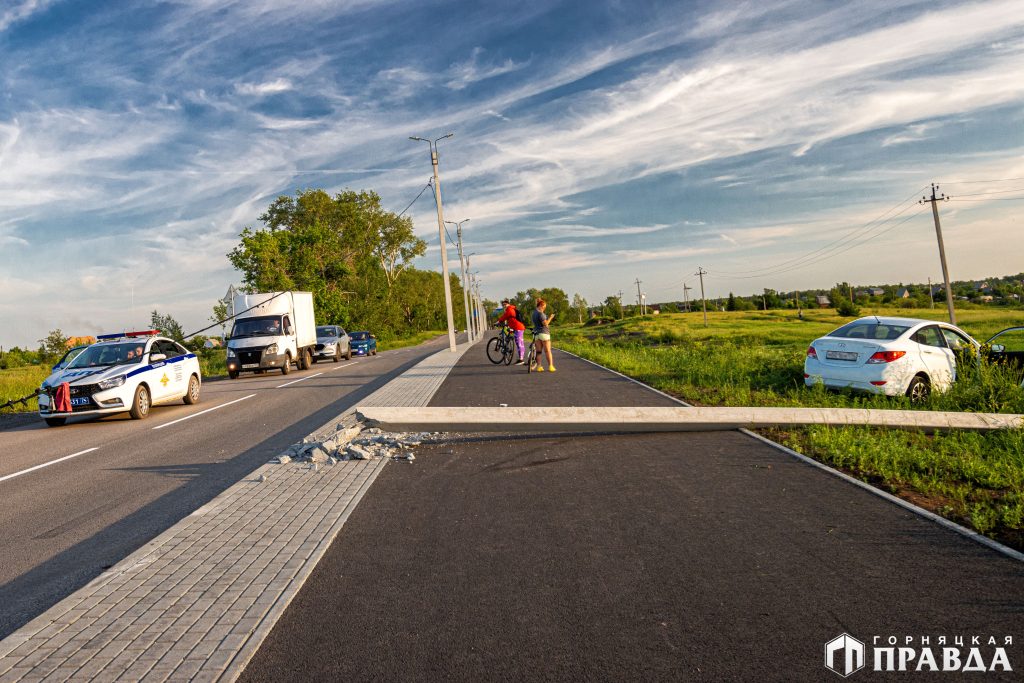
(271, 330)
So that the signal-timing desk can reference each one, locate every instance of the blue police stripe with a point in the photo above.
(160, 364)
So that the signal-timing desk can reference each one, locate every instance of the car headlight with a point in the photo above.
(111, 383)
(272, 348)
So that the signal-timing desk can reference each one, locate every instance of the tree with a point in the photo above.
(579, 305)
(352, 254)
(731, 306)
(396, 247)
(612, 307)
(167, 325)
(54, 345)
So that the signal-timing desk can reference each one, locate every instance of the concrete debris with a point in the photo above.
(263, 478)
(355, 443)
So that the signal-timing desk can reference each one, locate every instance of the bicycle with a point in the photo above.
(502, 349)
(531, 354)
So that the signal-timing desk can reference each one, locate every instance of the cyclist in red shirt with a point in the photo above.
(509, 318)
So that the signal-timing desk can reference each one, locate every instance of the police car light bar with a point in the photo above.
(122, 335)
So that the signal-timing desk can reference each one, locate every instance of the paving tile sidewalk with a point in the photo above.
(194, 603)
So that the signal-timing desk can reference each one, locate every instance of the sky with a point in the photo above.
(777, 143)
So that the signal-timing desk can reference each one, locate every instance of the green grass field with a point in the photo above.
(756, 358)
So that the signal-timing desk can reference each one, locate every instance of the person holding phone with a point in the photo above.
(542, 332)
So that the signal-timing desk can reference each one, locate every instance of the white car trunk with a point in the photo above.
(842, 352)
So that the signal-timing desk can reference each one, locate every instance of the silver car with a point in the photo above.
(332, 343)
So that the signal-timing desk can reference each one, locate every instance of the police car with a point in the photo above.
(126, 372)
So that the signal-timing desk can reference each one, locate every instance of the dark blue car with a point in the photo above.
(363, 343)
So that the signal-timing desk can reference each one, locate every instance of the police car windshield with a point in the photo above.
(102, 355)
(267, 326)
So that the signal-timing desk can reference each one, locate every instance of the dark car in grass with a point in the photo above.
(362, 343)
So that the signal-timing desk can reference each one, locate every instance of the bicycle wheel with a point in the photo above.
(510, 351)
(495, 352)
(531, 363)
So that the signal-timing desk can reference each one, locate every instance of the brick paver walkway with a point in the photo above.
(195, 603)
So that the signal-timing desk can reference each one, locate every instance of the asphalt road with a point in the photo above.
(62, 524)
(706, 556)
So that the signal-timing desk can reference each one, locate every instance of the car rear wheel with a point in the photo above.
(192, 395)
(55, 421)
(141, 403)
(919, 389)
(305, 360)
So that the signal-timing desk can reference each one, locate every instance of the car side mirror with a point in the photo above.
(157, 357)
(289, 330)
(998, 348)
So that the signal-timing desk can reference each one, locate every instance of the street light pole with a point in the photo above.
(440, 234)
(463, 268)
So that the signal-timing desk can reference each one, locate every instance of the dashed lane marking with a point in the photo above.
(301, 379)
(47, 464)
(202, 412)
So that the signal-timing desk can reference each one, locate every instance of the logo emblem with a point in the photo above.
(164, 380)
(844, 655)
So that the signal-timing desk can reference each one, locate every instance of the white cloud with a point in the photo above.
(21, 10)
(471, 71)
(278, 85)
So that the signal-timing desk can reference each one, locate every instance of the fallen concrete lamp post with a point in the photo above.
(669, 419)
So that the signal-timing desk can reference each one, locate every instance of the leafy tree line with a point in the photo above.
(354, 256)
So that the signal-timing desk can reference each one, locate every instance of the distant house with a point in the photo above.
(985, 299)
(863, 292)
(877, 291)
(823, 301)
(903, 293)
(80, 341)
(982, 286)
(655, 309)
(212, 343)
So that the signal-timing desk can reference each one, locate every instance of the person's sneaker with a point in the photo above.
(521, 362)
(551, 369)
(540, 369)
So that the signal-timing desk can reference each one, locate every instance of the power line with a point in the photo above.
(852, 234)
(425, 187)
(822, 258)
(993, 199)
(972, 182)
(985, 194)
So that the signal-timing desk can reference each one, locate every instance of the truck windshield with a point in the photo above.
(265, 326)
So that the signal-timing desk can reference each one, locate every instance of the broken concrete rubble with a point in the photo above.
(354, 442)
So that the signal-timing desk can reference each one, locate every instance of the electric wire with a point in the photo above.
(852, 234)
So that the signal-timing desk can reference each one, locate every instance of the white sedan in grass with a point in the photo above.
(891, 356)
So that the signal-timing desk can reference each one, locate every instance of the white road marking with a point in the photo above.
(201, 412)
(301, 379)
(47, 464)
(339, 367)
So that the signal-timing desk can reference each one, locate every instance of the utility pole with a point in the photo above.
(622, 313)
(852, 300)
(764, 301)
(686, 297)
(703, 302)
(440, 234)
(799, 311)
(931, 294)
(942, 249)
(463, 267)
(638, 293)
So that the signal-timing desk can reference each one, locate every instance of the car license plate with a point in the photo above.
(841, 355)
(249, 366)
(80, 401)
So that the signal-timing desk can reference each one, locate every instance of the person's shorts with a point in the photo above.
(543, 337)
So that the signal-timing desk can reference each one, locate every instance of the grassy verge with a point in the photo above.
(18, 382)
(757, 359)
(415, 340)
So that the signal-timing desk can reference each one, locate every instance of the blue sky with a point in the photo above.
(595, 143)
